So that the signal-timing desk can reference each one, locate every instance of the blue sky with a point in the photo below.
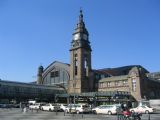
(38, 32)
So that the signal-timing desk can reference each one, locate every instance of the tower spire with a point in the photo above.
(80, 25)
(81, 16)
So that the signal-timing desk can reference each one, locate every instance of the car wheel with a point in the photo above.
(109, 113)
(147, 112)
(94, 112)
(137, 118)
(42, 108)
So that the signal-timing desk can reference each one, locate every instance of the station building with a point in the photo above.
(81, 79)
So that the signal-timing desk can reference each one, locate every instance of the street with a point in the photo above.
(17, 114)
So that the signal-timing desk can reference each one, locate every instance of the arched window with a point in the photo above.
(75, 63)
(133, 84)
(85, 66)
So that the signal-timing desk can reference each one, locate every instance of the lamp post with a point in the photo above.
(74, 84)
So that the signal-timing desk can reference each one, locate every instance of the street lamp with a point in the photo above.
(74, 96)
(74, 85)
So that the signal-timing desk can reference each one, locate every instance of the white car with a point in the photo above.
(47, 107)
(35, 106)
(63, 106)
(96, 108)
(78, 108)
(142, 109)
(105, 109)
(50, 107)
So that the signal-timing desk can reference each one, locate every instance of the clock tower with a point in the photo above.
(80, 60)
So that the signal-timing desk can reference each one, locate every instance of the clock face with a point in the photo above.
(75, 44)
(85, 36)
(76, 36)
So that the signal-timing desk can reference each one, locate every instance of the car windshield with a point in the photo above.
(85, 106)
(100, 106)
(37, 104)
(77, 105)
(146, 107)
(53, 104)
(43, 104)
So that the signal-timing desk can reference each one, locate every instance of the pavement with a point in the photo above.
(17, 114)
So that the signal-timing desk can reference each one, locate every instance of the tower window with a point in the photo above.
(75, 70)
(85, 66)
(75, 55)
(76, 66)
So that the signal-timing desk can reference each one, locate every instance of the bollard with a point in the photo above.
(117, 116)
(56, 112)
(82, 114)
(149, 117)
(64, 113)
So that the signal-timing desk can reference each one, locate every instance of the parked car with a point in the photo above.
(50, 107)
(105, 109)
(62, 106)
(36, 106)
(9, 105)
(96, 108)
(78, 108)
(15, 106)
(142, 109)
(5, 106)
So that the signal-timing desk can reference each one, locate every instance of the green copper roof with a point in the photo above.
(93, 94)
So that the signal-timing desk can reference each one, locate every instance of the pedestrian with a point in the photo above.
(129, 104)
(24, 110)
(123, 107)
(22, 107)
